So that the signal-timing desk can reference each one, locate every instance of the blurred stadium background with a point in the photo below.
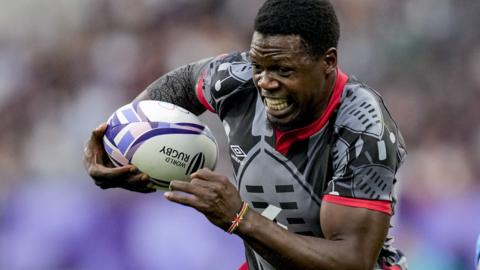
(65, 66)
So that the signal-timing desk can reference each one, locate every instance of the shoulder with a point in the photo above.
(226, 73)
(233, 66)
(362, 110)
(367, 146)
(364, 123)
(223, 77)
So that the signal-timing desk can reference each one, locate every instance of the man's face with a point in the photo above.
(292, 83)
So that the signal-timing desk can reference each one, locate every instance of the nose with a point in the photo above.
(266, 82)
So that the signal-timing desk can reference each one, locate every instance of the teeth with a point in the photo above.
(276, 104)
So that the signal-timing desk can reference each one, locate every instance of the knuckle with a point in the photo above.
(201, 170)
(223, 179)
(205, 207)
(101, 184)
(224, 182)
(96, 133)
(174, 185)
(214, 196)
(195, 182)
(213, 188)
(140, 178)
(133, 181)
(93, 172)
(87, 155)
(216, 189)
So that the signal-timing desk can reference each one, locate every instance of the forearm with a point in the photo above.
(177, 87)
(287, 250)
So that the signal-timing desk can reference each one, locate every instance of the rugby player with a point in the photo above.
(314, 150)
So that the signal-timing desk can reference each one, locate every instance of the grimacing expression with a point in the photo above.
(294, 85)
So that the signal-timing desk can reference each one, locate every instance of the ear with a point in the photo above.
(330, 60)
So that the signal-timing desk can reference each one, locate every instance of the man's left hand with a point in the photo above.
(210, 193)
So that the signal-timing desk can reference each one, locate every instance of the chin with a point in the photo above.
(287, 125)
(279, 126)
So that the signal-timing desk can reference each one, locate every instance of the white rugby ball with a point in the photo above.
(163, 140)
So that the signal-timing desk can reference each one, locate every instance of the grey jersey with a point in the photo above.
(349, 156)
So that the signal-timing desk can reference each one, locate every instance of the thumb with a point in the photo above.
(100, 130)
(93, 152)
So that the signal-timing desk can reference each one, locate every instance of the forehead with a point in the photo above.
(276, 45)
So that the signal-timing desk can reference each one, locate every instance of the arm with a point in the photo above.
(178, 87)
(353, 236)
(353, 239)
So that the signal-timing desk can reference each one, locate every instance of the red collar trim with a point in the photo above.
(285, 139)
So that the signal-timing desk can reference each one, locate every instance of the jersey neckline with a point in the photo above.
(285, 139)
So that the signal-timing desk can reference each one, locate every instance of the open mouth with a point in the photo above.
(276, 104)
(278, 107)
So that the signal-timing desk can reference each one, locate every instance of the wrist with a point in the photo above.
(238, 218)
(246, 226)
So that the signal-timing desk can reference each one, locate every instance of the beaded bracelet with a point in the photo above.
(238, 218)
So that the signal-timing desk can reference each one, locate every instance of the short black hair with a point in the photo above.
(314, 21)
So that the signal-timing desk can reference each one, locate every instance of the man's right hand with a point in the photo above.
(105, 174)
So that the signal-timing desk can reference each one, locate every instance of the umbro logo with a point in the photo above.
(237, 153)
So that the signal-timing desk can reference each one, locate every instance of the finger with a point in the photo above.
(210, 176)
(214, 187)
(96, 136)
(131, 181)
(119, 177)
(187, 187)
(143, 187)
(96, 143)
(204, 173)
(140, 179)
(146, 190)
(100, 130)
(93, 151)
(100, 171)
(184, 199)
(200, 182)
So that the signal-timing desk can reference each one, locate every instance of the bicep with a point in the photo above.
(177, 87)
(361, 231)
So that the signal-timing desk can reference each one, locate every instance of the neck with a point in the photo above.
(329, 85)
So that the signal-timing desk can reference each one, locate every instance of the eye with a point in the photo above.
(285, 71)
(256, 67)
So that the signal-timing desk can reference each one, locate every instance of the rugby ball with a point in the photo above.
(161, 139)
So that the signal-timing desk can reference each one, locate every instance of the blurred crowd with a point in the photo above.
(65, 66)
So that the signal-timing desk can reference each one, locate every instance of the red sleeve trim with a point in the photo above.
(199, 91)
(395, 267)
(244, 266)
(380, 206)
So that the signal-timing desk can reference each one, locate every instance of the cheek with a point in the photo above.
(301, 93)
(315, 90)
(255, 77)
(307, 98)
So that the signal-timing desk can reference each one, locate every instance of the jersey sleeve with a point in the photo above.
(221, 78)
(367, 151)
